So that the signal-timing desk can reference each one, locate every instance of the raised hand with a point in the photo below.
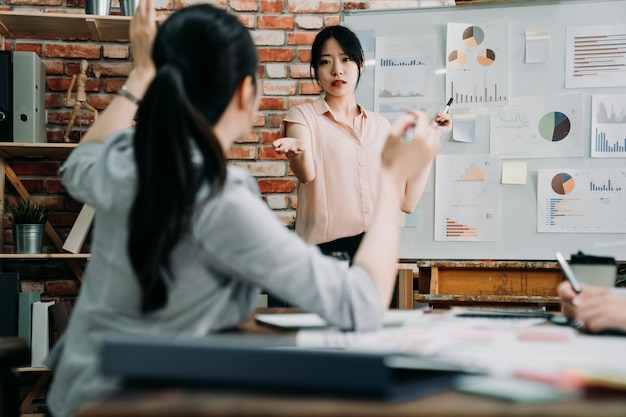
(142, 32)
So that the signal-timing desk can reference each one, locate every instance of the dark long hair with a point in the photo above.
(344, 37)
(202, 54)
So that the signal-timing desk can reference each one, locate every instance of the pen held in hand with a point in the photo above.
(445, 109)
(409, 132)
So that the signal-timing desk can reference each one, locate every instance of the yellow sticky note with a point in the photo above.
(514, 172)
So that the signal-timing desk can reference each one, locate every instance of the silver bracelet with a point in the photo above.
(125, 93)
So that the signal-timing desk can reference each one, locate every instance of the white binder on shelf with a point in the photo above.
(40, 336)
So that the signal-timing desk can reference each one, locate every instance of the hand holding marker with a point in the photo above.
(448, 104)
(409, 132)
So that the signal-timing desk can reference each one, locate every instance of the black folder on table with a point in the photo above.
(259, 363)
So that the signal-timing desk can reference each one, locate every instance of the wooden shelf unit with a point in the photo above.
(49, 26)
(42, 381)
(35, 150)
(44, 256)
(10, 150)
(64, 26)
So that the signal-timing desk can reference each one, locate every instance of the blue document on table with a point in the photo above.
(264, 363)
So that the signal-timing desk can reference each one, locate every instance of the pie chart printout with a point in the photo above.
(457, 58)
(562, 183)
(486, 57)
(473, 36)
(554, 126)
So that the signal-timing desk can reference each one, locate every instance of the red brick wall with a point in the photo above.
(283, 31)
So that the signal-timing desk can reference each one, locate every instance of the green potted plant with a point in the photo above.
(28, 220)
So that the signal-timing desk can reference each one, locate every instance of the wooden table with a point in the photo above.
(495, 283)
(205, 402)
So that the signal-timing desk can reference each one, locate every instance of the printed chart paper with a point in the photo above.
(538, 127)
(595, 57)
(608, 126)
(467, 198)
(405, 74)
(477, 64)
(581, 200)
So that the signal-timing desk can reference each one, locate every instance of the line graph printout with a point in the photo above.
(595, 56)
(581, 200)
(477, 63)
(608, 126)
(467, 198)
(405, 74)
(538, 127)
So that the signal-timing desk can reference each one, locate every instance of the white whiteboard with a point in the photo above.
(519, 238)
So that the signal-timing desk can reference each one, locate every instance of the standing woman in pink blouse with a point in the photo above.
(334, 147)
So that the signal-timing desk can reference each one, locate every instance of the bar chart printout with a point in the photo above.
(454, 229)
(608, 126)
(466, 198)
(595, 56)
(581, 200)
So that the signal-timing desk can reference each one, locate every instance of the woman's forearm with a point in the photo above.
(414, 189)
(378, 251)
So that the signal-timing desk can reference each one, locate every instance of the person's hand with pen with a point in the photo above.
(442, 120)
(414, 187)
(597, 309)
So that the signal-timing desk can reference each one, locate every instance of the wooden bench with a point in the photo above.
(444, 283)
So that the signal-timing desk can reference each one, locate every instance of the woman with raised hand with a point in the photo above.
(182, 243)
